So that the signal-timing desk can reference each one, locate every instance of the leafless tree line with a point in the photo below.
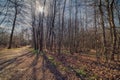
(76, 26)
(69, 26)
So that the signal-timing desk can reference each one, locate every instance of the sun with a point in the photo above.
(40, 9)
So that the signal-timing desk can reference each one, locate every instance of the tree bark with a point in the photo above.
(13, 27)
(103, 28)
(62, 29)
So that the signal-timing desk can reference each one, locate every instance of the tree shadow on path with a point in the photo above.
(8, 62)
(25, 74)
(53, 69)
(34, 63)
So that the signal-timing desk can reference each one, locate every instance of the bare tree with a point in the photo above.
(110, 9)
(103, 27)
(14, 21)
(62, 29)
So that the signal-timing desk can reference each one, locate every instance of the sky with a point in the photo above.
(25, 19)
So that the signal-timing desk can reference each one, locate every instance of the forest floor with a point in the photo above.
(24, 64)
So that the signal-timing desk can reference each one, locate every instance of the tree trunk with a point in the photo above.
(112, 26)
(103, 28)
(62, 29)
(13, 27)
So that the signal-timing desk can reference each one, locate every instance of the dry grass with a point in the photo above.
(9, 53)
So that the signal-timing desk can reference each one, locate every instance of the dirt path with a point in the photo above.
(24, 65)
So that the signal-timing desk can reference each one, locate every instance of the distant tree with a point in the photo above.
(62, 28)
